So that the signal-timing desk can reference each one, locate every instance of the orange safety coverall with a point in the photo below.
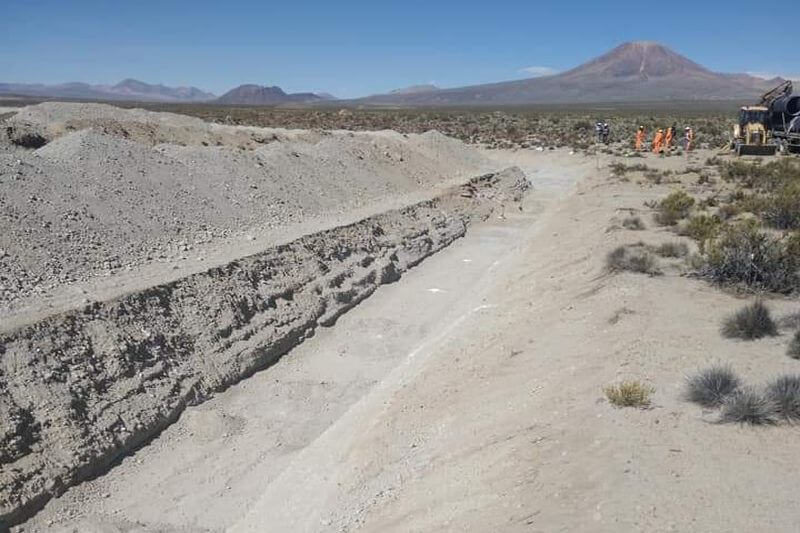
(668, 138)
(659, 138)
(639, 140)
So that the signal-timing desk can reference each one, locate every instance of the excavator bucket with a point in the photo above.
(756, 149)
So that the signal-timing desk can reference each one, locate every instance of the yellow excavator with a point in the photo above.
(769, 125)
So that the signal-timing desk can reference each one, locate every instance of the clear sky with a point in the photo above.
(353, 48)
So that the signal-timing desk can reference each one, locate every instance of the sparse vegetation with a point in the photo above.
(748, 256)
(672, 249)
(673, 208)
(620, 169)
(793, 350)
(633, 223)
(632, 259)
(712, 386)
(629, 394)
(750, 322)
(702, 228)
(784, 394)
(748, 406)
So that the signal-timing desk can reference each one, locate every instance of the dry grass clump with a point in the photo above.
(672, 249)
(629, 394)
(712, 386)
(784, 394)
(633, 223)
(750, 322)
(745, 255)
(632, 259)
(673, 208)
(748, 406)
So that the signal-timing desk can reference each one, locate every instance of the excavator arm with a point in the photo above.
(784, 89)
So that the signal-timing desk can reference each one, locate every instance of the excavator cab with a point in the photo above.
(750, 134)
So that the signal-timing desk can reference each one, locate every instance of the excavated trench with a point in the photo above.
(83, 388)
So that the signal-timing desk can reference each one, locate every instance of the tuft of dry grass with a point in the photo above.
(629, 394)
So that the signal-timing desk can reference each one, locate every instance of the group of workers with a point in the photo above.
(603, 131)
(662, 141)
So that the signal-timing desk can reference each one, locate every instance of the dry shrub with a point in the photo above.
(702, 228)
(784, 394)
(751, 322)
(745, 255)
(632, 259)
(633, 223)
(793, 350)
(748, 406)
(672, 249)
(629, 394)
(673, 208)
(712, 386)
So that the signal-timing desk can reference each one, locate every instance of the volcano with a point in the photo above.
(640, 71)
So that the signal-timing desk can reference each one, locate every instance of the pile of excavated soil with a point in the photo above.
(114, 189)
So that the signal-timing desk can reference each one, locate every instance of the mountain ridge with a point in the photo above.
(127, 89)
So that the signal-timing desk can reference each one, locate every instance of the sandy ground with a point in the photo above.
(499, 424)
(468, 397)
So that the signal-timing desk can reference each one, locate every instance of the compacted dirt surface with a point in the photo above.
(464, 392)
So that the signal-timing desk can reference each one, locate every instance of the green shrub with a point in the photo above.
(673, 208)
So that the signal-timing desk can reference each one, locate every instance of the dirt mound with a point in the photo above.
(116, 189)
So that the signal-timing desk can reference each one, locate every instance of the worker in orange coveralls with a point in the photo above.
(640, 139)
(668, 138)
(657, 141)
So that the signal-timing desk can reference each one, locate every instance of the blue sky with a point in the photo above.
(353, 48)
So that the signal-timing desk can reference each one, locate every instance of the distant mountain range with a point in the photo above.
(633, 72)
(125, 90)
